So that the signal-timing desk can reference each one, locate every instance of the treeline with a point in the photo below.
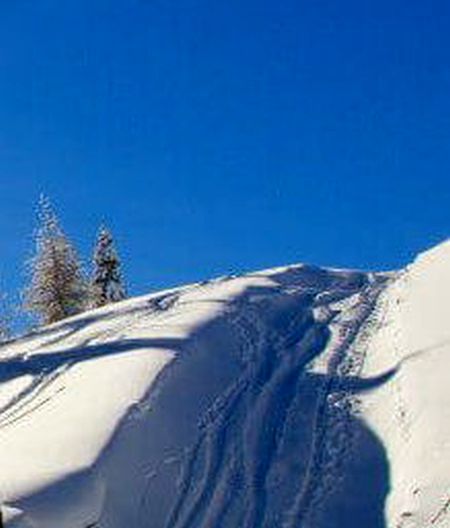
(58, 287)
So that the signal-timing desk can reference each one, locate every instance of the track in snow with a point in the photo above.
(271, 445)
(46, 381)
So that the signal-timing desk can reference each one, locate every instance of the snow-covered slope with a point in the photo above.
(412, 414)
(293, 397)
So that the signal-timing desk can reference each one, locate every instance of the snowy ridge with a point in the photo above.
(412, 414)
(257, 401)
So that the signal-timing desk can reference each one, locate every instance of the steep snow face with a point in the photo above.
(266, 400)
(411, 414)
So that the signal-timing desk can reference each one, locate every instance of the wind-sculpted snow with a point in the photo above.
(239, 402)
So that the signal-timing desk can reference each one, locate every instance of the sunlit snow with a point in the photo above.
(292, 397)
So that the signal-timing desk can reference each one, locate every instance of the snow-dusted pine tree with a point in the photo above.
(58, 288)
(106, 283)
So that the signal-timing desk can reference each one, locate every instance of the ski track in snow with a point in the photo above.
(250, 417)
(253, 401)
(332, 436)
(225, 477)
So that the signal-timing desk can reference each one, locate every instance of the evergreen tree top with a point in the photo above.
(107, 284)
(57, 286)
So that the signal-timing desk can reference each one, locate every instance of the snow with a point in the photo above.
(412, 413)
(287, 397)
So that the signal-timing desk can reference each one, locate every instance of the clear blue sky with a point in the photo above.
(219, 136)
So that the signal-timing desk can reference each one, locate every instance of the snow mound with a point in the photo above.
(297, 396)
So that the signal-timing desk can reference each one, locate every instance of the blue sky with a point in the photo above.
(222, 136)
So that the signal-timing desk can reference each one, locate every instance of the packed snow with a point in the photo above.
(293, 397)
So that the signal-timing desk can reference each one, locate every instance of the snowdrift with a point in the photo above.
(297, 396)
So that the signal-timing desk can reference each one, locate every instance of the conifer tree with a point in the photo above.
(57, 289)
(106, 283)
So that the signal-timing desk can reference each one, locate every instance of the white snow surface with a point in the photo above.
(293, 397)
(411, 413)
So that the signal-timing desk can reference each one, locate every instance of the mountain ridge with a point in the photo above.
(256, 401)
